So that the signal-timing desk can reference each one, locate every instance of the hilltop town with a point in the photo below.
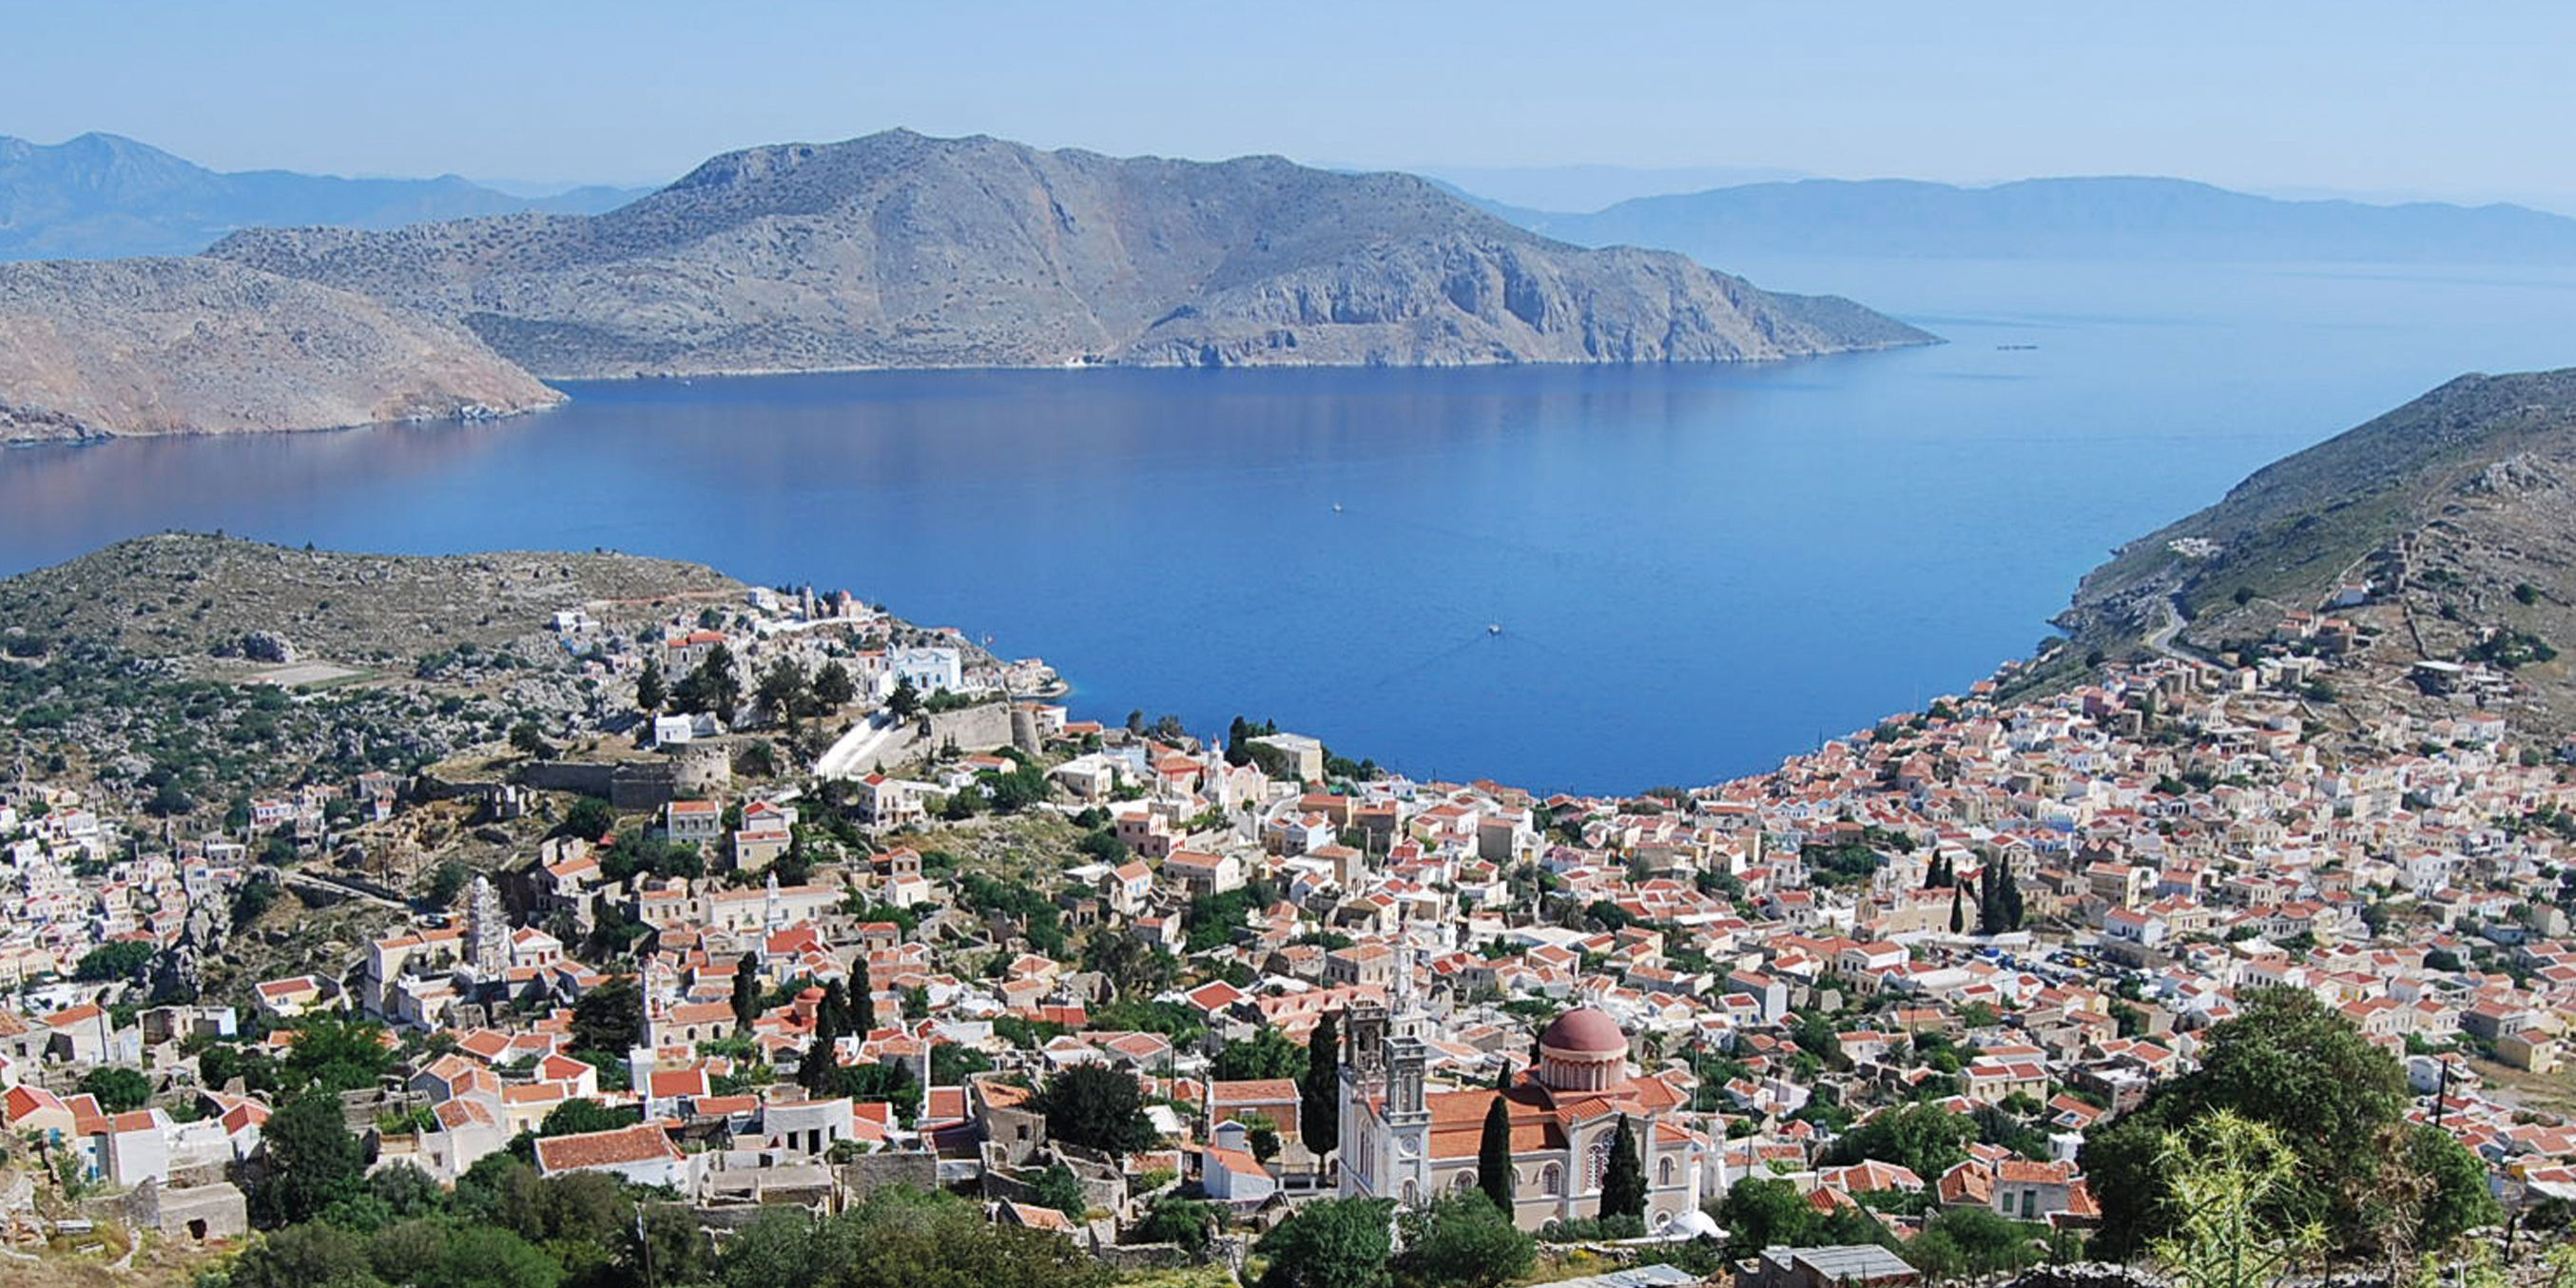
(760, 900)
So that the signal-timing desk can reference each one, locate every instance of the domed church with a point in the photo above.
(1410, 1141)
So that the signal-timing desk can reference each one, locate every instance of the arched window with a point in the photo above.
(1551, 1179)
(1463, 1181)
(1596, 1165)
(1412, 1196)
(1664, 1171)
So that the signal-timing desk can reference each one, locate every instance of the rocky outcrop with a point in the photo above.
(898, 250)
(94, 349)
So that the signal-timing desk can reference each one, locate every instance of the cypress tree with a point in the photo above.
(863, 997)
(746, 993)
(1958, 911)
(1494, 1155)
(1319, 1094)
(2012, 902)
(1990, 903)
(1623, 1185)
(819, 1069)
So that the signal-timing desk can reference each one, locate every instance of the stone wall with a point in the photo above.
(981, 728)
(873, 1172)
(193, 1215)
(646, 784)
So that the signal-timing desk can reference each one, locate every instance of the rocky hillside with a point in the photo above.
(2458, 509)
(186, 594)
(92, 349)
(901, 250)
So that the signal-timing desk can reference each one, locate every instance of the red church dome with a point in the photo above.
(1584, 1031)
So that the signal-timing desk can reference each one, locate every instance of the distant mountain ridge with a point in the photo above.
(100, 196)
(900, 250)
(2056, 218)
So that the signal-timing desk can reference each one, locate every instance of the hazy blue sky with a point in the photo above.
(2465, 102)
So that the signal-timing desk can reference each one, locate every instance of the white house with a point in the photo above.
(1230, 1174)
(928, 669)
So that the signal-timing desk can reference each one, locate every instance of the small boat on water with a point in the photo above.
(1337, 507)
(1493, 628)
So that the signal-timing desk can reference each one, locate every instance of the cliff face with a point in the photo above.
(91, 349)
(901, 250)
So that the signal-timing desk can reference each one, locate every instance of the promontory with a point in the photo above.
(899, 250)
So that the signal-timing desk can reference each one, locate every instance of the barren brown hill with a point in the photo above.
(92, 349)
(181, 594)
(898, 250)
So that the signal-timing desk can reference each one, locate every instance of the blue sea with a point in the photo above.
(1695, 570)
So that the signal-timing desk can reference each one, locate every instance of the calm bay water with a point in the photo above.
(1697, 569)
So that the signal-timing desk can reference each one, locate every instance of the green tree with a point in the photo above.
(2286, 1061)
(833, 687)
(1974, 1242)
(609, 1018)
(2451, 1196)
(1262, 1135)
(1763, 1212)
(123, 959)
(666, 1245)
(1319, 1092)
(1057, 1187)
(1494, 1155)
(902, 1236)
(529, 740)
(746, 992)
(311, 1160)
(118, 1089)
(650, 690)
(860, 1010)
(905, 701)
(1463, 1241)
(1923, 1138)
(589, 818)
(782, 692)
(1096, 1107)
(2226, 1180)
(1188, 1222)
(1335, 1243)
(1268, 1055)
(582, 1115)
(818, 1070)
(713, 687)
(313, 1255)
(1623, 1183)
(338, 1053)
(446, 1254)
